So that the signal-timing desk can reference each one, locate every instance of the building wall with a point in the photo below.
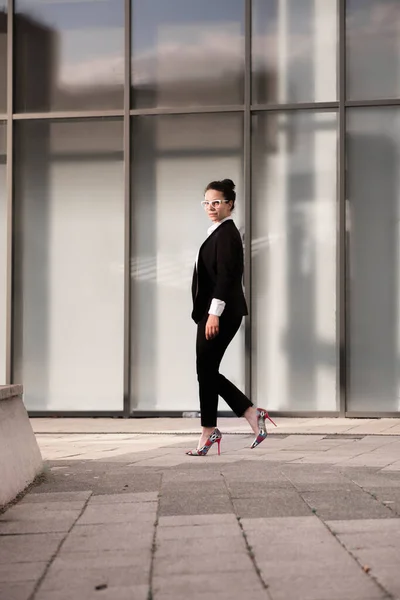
(113, 144)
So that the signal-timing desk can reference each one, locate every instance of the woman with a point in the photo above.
(218, 308)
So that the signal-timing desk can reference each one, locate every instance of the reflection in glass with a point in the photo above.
(69, 257)
(3, 252)
(374, 256)
(373, 49)
(69, 55)
(294, 51)
(3, 56)
(174, 158)
(187, 53)
(294, 261)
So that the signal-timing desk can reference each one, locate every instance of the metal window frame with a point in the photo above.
(127, 200)
(9, 178)
(247, 109)
(341, 279)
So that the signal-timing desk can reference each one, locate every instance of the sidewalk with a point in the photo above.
(311, 514)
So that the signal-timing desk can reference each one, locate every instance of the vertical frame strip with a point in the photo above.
(342, 221)
(247, 192)
(127, 212)
(9, 283)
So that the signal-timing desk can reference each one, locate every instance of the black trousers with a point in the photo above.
(212, 384)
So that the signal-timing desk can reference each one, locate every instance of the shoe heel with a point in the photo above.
(269, 418)
(219, 446)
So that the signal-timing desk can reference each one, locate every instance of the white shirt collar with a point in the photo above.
(216, 225)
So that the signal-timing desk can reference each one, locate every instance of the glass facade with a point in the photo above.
(294, 51)
(68, 263)
(3, 56)
(115, 115)
(3, 251)
(294, 260)
(69, 55)
(170, 155)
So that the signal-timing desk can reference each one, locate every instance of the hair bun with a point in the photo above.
(229, 183)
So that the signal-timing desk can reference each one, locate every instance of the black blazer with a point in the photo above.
(219, 273)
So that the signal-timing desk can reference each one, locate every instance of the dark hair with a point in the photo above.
(226, 187)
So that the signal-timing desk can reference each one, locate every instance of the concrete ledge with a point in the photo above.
(20, 458)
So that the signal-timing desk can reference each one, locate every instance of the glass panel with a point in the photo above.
(373, 49)
(187, 53)
(69, 258)
(374, 256)
(69, 55)
(174, 158)
(294, 261)
(3, 56)
(3, 252)
(294, 51)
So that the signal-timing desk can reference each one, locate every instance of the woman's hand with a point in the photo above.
(212, 327)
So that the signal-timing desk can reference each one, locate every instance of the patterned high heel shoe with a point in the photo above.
(262, 434)
(216, 436)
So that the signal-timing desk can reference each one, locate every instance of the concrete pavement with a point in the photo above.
(126, 514)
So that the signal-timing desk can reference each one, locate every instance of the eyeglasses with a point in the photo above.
(214, 203)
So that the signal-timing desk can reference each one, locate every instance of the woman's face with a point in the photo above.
(217, 213)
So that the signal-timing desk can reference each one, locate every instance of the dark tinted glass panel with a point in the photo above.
(69, 55)
(373, 49)
(187, 53)
(3, 252)
(373, 184)
(69, 264)
(294, 51)
(174, 158)
(3, 56)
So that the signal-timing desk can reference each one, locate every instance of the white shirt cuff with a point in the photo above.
(217, 307)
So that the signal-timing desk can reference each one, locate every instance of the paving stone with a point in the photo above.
(388, 496)
(203, 487)
(25, 512)
(103, 559)
(196, 475)
(367, 477)
(313, 583)
(59, 578)
(254, 471)
(43, 509)
(28, 548)
(16, 591)
(190, 547)
(50, 525)
(354, 504)
(259, 489)
(101, 478)
(293, 556)
(209, 563)
(236, 583)
(362, 535)
(138, 592)
(118, 536)
(214, 520)
(305, 479)
(119, 513)
(395, 467)
(282, 525)
(383, 565)
(56, 497)
(20, 572)
(277, 503)
(175, 503)
(121, 498)
(255, 595)
(197, 531)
